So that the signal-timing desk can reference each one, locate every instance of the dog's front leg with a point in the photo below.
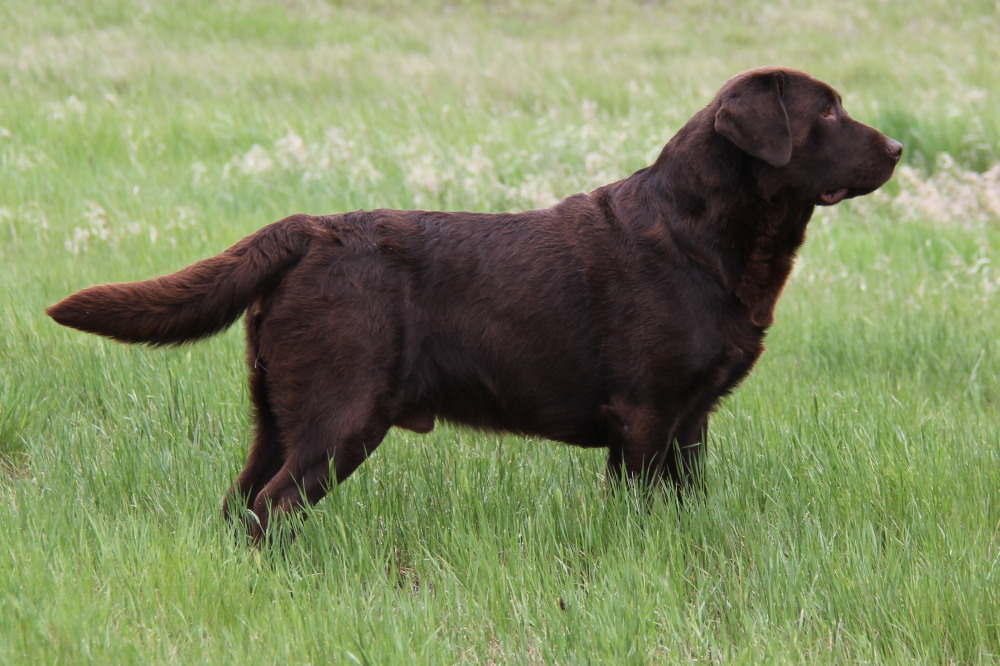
(684, 465)
(641, 441)
(654, 446)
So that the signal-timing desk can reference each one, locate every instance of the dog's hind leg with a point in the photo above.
(341, 436)
(266, 455)
(332, 358)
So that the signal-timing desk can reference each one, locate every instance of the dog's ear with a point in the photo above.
(752, 115)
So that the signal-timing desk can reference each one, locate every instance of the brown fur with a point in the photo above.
(617, 318)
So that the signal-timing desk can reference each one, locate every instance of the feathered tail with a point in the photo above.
(197, 301)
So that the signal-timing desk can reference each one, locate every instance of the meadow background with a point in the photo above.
(854, 505)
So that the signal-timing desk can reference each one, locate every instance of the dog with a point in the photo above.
(617, 318)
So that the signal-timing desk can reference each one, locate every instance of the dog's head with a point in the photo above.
(797, 127)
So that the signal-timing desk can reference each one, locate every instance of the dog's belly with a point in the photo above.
(580, 427)
(531, 389)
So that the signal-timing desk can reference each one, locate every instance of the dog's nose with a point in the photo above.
(895, 149)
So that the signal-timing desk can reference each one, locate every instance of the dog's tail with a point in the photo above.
(197, 301)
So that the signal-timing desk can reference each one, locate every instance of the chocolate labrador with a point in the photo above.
(615, 319)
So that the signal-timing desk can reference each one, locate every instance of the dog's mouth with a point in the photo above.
(833, 196)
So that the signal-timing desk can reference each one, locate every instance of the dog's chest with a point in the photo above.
(722, 356)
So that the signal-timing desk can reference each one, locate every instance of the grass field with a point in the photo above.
(853, 512)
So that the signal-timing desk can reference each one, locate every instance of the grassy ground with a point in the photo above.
(854, 504)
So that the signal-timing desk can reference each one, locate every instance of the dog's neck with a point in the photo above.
(716, 215)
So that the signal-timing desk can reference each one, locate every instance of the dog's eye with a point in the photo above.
(829, 113)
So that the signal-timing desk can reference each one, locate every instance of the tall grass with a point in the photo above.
(853, 512)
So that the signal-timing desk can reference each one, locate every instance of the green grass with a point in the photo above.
(853, 513)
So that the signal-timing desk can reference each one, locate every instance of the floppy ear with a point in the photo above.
(752, 116)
